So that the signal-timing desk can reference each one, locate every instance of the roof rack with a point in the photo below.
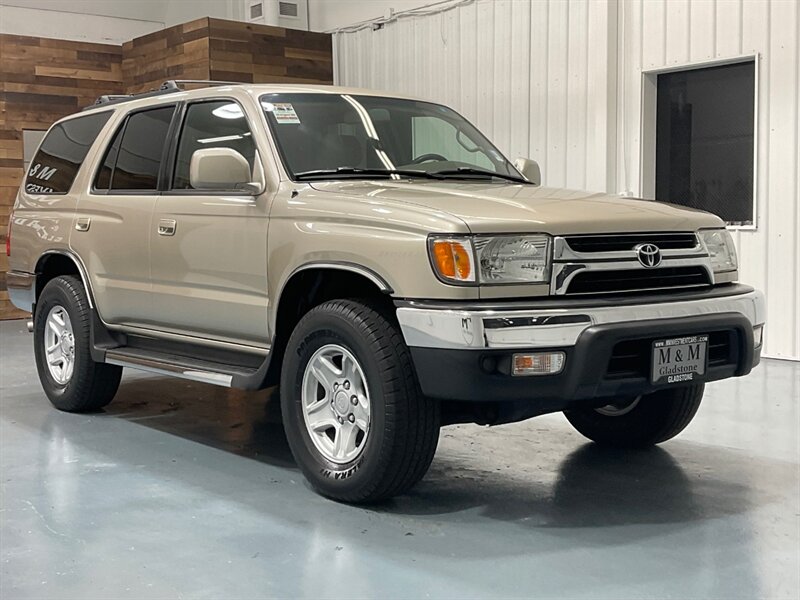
(168, 87)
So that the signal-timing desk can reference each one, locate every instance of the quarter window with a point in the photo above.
(141, 150)
(218, 124)
(56, 164)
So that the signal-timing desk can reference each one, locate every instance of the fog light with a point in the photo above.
(538, 363)
(758, 336)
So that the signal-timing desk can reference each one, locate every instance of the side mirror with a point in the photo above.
(221, 169)
(530, 169)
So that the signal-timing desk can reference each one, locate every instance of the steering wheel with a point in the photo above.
(427, 157)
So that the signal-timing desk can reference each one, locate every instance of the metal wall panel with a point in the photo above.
(658, 34)
(561, 82)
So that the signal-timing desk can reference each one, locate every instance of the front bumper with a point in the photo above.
(464, 352)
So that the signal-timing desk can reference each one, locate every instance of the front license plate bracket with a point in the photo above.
(679, 360)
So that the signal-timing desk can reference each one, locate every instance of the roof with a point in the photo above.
(172, 91)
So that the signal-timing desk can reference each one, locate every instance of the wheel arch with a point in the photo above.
(54, 263)
(312, 284)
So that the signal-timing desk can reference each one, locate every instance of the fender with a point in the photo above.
(379, 281)
(78, 263)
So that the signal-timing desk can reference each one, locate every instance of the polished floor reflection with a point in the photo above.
(182, 490)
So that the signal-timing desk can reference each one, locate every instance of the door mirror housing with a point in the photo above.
(530, 169)
(222, 169)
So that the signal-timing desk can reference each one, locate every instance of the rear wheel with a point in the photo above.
(356, 421)
(71, 379)
(639, 422)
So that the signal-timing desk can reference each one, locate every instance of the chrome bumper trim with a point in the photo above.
(531, 328)
(21, 289)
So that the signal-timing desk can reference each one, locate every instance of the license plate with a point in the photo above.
(679, 360)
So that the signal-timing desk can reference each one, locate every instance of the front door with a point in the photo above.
(113, 220)
(209, 248)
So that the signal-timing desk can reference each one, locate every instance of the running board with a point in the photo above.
(187, 368)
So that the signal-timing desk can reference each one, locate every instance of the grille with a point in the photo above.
(637, 280)
(631, 358)
(622, 242)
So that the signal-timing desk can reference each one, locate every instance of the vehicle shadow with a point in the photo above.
(554, 485)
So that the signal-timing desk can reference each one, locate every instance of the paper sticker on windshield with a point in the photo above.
(284, 113)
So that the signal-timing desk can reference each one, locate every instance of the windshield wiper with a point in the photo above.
(456, 173)
(353, 172)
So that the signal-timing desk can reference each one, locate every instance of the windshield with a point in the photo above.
(330, 136)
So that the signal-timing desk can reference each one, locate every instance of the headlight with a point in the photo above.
(720, 248)
(513, 258)
(492, 259)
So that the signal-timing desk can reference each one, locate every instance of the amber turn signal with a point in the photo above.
(452, 259)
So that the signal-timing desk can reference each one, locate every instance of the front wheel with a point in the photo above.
(639, 422)
(355, 418)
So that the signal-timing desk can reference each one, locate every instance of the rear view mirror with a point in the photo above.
(530, 169)
(221, 169)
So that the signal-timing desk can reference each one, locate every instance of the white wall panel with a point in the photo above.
(532, 75)
(561, 81)
(671, 34)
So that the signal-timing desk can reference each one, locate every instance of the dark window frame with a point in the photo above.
(121, 129)
(24, 184)
(649, 134)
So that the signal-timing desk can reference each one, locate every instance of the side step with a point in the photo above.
(205, 371)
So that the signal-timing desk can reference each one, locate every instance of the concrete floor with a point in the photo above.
(182, 490)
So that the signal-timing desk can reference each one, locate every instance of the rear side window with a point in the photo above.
(56, 164)
(136, 152)
(218, 124)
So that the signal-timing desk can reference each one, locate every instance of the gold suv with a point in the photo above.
(378, 258)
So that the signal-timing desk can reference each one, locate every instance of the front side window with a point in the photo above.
(334, 135)
(141, 150)
(56, 164)
(217, 124)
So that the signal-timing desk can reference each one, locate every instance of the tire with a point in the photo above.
(87, 385)
(645, 421)
(403, 426)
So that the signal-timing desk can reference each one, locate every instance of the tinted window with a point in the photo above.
(330, 132)
(219, 124)
(103, 179)
(62, 153)
(141, 150)
(704, 140)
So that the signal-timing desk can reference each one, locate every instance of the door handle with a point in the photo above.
(82, 224)
(166, 227)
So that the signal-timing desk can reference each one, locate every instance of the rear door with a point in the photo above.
(114, 219)
(209, 246)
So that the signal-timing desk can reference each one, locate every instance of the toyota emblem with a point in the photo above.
(649, 255)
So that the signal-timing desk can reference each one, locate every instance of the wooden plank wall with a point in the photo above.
(42, 80)
(179, 52)
(262, 54)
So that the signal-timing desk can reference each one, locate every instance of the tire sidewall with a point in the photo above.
(55, 294)
(318, 329)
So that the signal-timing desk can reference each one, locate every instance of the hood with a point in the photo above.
(512, 208)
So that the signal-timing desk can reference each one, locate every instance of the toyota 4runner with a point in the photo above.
(378, 258)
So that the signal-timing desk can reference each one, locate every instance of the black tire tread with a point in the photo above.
(93, 385)
(660, 416)
(413, 418)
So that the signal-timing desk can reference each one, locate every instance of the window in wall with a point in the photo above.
(62, 153)
(141, 150)
(704, 140)
(218, 124)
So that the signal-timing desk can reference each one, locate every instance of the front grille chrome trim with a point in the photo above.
(567, 264)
